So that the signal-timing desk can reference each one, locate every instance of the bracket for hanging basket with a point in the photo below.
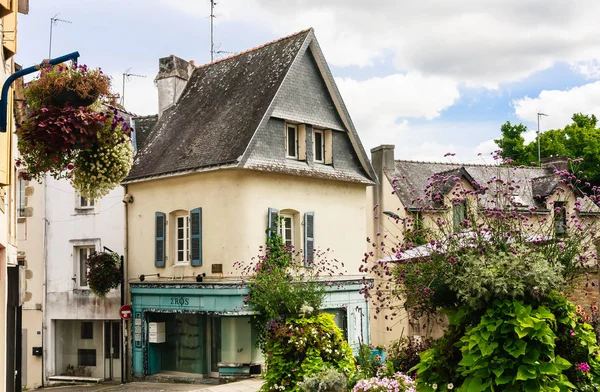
(4, 97)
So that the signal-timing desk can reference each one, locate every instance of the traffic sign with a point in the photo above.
(125, 312)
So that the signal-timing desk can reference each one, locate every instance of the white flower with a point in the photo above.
(434, 386)
(450, 386)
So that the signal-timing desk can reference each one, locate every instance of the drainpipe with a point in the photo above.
(124, 346)
(45, 291)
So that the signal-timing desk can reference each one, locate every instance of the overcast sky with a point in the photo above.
(431, 77)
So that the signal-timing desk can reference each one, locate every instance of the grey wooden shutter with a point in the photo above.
(159, 243)
(196, 237)
(272, 221)
(309, 238)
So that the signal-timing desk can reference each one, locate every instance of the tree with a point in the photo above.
(581, 139)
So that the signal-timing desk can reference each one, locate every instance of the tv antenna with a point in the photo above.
(127, 75)
(212, 30)
(53, 22)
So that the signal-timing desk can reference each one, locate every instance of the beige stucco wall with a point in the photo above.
(234, 218)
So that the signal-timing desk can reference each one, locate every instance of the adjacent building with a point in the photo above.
(239, 143)
(403, 183)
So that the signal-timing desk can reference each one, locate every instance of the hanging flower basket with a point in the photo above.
(62, 85)
(104, 272)
(71, 131)
(99, 169)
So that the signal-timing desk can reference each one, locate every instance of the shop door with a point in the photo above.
(112, 350)
(214, 348)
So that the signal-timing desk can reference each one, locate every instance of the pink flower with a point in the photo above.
(583, 367)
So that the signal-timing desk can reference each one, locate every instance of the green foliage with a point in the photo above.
(104, 272)
(581, 139)
(403, 353)
(300, 347)
(329, 380)
(278, 288)
(479, 279)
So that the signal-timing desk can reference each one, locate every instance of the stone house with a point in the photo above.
(238, 143)
(403, 182)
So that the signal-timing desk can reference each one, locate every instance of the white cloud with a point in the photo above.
(559, 105)
(480, 43)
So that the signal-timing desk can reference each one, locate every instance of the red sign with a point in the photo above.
(125, 312)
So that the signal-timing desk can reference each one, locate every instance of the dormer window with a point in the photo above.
(319, 146)
(291, 141)
(560, 217)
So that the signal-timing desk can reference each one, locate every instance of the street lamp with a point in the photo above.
(538, 138)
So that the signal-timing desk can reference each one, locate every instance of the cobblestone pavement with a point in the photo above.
(251, 385)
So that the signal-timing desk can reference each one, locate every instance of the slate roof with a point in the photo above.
(143, 127)
(218, 112)
(535, 182)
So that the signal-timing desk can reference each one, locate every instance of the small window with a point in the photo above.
(183, 239)
(85, 204)
(87, 330)
(22, 198)
(292, 141)
(81, 255)
(319, 146)
(459, 214)
(287, 230)
(86, 357)
(560, 217)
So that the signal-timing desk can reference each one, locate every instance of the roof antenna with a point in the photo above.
(127, 75)
(53, 22)
(212, 30)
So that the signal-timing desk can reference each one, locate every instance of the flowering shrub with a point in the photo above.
(299, 347)
(61, 84)
(399, 382)
(497, 269)
(403, 354)
(104, 272)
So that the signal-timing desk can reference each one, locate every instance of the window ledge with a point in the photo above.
(85, 211)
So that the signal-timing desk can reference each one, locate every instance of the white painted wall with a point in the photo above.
(67, 227)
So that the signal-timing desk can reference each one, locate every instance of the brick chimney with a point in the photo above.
(173, 74)
(559, 162)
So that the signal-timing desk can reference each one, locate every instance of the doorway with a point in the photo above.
(112, 350)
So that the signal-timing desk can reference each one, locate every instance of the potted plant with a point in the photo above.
(62, 85)
(104, 272)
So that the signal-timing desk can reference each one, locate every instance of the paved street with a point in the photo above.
(251, 385)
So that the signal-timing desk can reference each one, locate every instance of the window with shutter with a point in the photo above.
(196, 237)
(159, 244)
(309, 238)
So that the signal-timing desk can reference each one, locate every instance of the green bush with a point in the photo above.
(329, 380)
(300, 347)
(403, 353)
(479, 279)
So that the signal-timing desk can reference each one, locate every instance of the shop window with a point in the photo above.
(87, 330)
(86, 357)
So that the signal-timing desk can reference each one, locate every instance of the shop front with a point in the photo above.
(202, 329)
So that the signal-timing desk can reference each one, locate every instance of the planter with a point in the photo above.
(381, 353)
(71, 97)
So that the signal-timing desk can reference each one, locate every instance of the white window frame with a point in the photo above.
(79, 263)
(322, 160)
(82, 203)
(287, 144)
(22, 198)
(185, 238)
(282, 229)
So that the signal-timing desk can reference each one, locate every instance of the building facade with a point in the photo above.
(250, 139)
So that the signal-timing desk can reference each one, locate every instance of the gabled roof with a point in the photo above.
(222, 106)
(413, 177)
(143, 126)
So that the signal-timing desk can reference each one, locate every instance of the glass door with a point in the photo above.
(214, 333)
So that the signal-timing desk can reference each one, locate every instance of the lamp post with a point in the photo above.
(538, 138)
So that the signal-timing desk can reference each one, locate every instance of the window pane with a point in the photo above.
(83, 201)
(318, 146)
(291, 139)
(83, 268)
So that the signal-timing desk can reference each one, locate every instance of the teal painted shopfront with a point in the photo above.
(194, 328)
